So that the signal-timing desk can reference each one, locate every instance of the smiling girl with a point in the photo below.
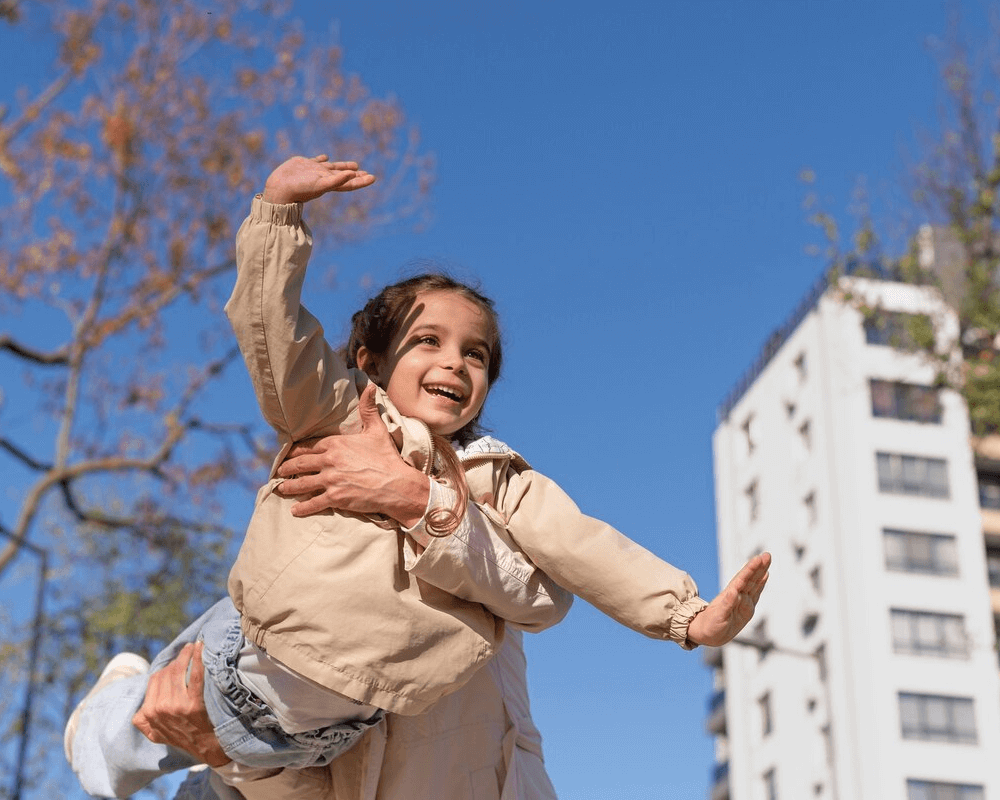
(336, 618)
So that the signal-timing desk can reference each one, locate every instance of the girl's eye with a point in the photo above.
(479, 355)
(431, 340)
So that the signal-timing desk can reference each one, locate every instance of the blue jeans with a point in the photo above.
(113, 759)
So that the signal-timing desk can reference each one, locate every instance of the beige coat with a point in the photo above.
(480, 738)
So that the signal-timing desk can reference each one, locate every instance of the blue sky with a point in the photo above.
(623, 178)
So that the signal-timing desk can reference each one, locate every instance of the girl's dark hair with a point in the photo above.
(375, 327)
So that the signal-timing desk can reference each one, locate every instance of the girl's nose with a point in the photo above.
(452, 360)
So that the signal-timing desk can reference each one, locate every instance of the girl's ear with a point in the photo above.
(366, 363)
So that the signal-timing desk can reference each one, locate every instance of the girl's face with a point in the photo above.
(436, 367)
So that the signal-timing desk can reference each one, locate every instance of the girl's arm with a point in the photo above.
(624, 580)
(302, 386)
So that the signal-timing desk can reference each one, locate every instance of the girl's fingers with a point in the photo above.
(755, 594)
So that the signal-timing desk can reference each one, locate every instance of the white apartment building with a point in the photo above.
(875, 671)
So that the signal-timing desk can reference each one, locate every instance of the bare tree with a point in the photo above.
(127, 168)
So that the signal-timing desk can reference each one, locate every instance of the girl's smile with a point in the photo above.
(436, 367)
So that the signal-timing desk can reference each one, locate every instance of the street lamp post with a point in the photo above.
(33, 654)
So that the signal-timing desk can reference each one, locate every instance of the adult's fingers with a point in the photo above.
(306, 463)
(304, 484)
(303, 508)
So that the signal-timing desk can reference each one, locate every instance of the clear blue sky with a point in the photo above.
(623, 179)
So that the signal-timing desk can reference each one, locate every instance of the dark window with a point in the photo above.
(770, 785)
(927, 633)
(753, 501)
(899, 474)
(993, 567)
(896, 329)
(989, 491)
(765, 713)
(937, 718)
(935, 790)
(801, 366)
(929, 553)
(906, 401)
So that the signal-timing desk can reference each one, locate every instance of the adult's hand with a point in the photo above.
(729, 613)
(174, 713)
(361, 473)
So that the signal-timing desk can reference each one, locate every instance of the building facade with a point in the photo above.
(870, 670)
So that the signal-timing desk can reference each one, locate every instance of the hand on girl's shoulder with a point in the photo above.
(301, 179)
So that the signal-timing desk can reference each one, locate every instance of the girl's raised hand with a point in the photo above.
(300, 179)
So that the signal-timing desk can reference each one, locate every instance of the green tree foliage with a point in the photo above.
(125, 167)
(955, 190)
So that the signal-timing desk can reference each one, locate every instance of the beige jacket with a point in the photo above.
(298, 587)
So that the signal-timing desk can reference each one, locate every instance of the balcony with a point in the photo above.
(720, 782)
(716, 722)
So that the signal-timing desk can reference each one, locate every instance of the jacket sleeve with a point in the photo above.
(476, 564)
(594, 561)
(303, 387)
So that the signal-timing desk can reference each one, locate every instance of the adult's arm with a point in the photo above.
(351, 473)
(173, 713)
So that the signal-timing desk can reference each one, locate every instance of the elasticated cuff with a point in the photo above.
(682, 619)
(275, 214)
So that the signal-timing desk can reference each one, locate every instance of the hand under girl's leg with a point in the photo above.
(111, 757)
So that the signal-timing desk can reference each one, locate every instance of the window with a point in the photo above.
(761, 638)
(764, 704)
(989, 491)
(899, 474)
(928, 553)
(935, 790)
(925, 633)
(809, 509)
(936, 718)
(805, 436)
(906, 401)
(816, 579)
(896, 329)
(753, 502)
(801, 366)
(993, 567)
(749, 428)
(820, 655)
(770, 785)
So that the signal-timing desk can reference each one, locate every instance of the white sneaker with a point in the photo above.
(123, 665)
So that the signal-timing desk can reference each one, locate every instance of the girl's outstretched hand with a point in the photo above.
(301, 179)
(729, 613)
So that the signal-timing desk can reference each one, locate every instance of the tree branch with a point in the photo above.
(58, 357)
(22, 456)
(138, 526)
